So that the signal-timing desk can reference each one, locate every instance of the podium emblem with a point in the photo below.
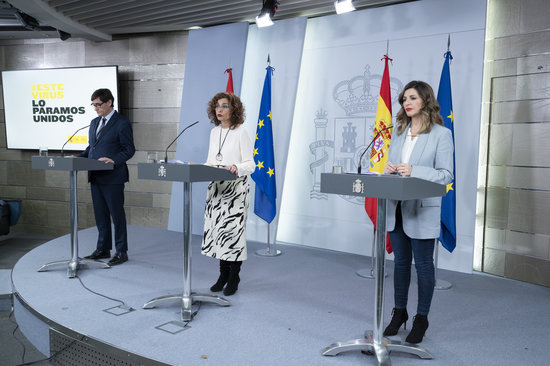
(51, 162)
(162, 171)
(358, 186)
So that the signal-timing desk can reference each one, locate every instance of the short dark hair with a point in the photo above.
(104, 95)
(237, 109)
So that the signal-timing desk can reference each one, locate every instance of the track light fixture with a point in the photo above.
(266, 14)
(27, 21)
(63, 35)
(343, 6)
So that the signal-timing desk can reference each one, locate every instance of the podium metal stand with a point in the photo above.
(73, 165)
(383, 187)
(186, 173)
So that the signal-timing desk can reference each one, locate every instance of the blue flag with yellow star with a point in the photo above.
(264, 175)
(447, 236)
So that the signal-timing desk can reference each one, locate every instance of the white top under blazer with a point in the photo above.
(237, 149)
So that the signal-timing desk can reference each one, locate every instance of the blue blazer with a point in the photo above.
(116, 141)
(431, 159)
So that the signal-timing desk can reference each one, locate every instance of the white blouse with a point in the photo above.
(408, 147)
(235, 146)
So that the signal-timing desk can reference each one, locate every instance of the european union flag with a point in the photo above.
(264, 175)
(448, 203)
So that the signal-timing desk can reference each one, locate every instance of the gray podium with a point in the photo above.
(383, 187)
(186, 173)
(72, 165)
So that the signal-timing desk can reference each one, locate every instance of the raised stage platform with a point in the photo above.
(288, 308)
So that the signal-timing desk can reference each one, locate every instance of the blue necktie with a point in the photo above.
(101, 126)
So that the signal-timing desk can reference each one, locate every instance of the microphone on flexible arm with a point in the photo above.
(166, 152)
(62, 147)
(368, 147)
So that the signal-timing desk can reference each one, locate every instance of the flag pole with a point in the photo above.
(365, 272)
(439, 284)
(442, 284)
(269, 251)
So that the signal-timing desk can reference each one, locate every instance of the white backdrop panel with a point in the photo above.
(336, 106)
(284, 42)
(210, 52)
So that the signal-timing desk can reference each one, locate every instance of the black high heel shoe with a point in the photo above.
(420, 324)
(223, 278)
(399, 316)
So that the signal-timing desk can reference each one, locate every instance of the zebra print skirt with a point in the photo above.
(225, 220)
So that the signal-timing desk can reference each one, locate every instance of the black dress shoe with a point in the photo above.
(118, 258)
(99, 254)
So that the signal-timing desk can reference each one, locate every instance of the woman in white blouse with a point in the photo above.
(420, 147)
(227, 201)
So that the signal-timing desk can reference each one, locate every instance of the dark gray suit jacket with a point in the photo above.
(116, 141)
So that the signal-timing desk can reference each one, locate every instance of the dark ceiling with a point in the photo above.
(100, 20)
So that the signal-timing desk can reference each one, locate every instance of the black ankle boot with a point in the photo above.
(420, 324)
(399, 316)
(224, 276)
(234, 279)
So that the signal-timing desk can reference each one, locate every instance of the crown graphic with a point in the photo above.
(359, 95)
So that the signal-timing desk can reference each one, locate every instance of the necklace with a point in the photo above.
(219, 156)
(413, 135)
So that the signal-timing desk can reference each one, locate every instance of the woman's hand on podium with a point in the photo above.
(232, 168)
(390, 168)
(404, 170)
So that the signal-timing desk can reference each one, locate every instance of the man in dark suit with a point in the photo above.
(110, 140)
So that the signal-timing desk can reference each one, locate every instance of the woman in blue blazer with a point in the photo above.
(420, 147)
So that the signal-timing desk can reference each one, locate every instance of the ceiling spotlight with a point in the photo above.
(264, 20)
(343, 6)
(268, 11)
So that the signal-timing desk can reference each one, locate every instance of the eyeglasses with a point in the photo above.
(225, 106)
(97, 105)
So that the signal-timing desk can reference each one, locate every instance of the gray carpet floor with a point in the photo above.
(287, 309)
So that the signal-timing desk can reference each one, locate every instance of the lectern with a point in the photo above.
(383, 187)
(186, 173)
(73, 165)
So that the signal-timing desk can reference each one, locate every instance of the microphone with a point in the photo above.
(368, 147)
(166, 152)
(62, 147)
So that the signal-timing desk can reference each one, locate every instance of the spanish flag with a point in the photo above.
(379, 150)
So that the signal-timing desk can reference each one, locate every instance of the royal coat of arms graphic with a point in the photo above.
(358, 100)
